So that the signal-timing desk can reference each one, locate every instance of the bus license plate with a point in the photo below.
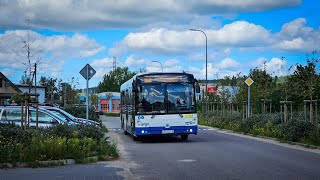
(167, 131)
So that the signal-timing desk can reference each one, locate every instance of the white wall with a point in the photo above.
(40, 91)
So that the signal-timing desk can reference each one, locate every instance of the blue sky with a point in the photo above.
(242, 34)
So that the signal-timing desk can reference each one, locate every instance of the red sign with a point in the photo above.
(213, 89)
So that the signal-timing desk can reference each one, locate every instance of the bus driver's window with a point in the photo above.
(140, 100)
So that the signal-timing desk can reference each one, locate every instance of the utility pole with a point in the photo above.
(27, 45)
(114, 63)
(35, 78)
(51, 91)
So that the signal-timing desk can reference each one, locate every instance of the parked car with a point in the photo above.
(69, 117)
(12, 114)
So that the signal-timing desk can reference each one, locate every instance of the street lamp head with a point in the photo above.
(193, 29)
(160, 64)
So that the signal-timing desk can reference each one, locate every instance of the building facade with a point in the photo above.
(109, 102)
(41, 90)
(7, 89)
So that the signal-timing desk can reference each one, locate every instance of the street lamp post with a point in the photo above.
(206, 65)
(159, 63)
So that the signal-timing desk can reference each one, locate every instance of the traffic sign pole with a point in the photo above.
(87, 72)
(248, 81)
(248, 102)
(87, 94)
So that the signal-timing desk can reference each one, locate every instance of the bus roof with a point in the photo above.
(128, 84)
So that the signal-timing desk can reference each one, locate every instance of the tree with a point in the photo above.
(305, 81)
(94, 100)
(261, 88)
(111, 82)
(31, 55)
(18, 98)
(51, 87)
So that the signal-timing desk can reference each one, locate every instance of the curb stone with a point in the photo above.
(51, 162)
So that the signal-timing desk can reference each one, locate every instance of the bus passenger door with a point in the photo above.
(122, 110)
(126, 109)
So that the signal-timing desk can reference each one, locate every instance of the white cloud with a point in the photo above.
(49, 52)
(133, 61)
(275, 66)
(83, 14)
(102, 66)
(295, 28)
(168, 42)
(171, 62)
(295, 36)
(170, 65)
(294, 44)
(229, 64)
(241, 34)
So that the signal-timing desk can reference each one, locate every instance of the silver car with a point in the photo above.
(12, 114)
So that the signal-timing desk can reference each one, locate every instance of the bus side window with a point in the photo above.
(122, 101)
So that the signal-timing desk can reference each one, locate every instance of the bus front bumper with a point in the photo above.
(140, 131)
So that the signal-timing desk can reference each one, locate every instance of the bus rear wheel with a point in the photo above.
(184, 137)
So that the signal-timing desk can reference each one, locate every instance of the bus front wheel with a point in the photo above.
(125, 132)
(184, 137)
(136, 138)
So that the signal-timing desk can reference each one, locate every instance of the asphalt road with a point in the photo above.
(208, 155)
(214, 155)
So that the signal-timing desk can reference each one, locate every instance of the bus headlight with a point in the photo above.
(190, 130)
(142, 131)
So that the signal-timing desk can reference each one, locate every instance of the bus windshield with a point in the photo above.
(151, 99)
(180, 98)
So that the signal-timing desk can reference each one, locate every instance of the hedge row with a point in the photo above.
(54, 143)
(296, 130)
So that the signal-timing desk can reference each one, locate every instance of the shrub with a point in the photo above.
(106, 148)
(54, 143)
(80, 112)
(112, 114)
(73, 150)
(62, 130)
(14, 133)
(90, 131)
(295, 130)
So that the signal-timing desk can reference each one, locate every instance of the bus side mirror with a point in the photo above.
(197, 88)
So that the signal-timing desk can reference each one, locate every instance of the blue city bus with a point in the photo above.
(158, 104)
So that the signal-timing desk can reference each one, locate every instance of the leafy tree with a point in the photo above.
(111, 82)
(305, 81)
(71, 92)
(94, 100)
(17, 97)
(262, 88)
(51, 87)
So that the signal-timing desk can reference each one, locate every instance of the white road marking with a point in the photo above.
(186, 160)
